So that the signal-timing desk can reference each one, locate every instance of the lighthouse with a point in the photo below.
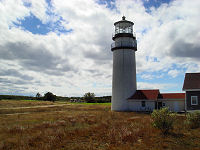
(124, 65)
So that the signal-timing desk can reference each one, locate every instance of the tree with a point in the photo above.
(49, 97)
(89, 97)
(38, 96)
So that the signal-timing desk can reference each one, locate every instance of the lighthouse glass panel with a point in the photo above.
(123, 28)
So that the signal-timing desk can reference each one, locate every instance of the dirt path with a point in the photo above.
(27, 112)
(40, 106)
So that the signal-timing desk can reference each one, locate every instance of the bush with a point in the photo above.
(163, 119)
(100, 100)
(193, 120)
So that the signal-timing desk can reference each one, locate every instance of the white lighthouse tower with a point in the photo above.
(124, 66)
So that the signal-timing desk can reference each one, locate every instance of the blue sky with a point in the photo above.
(64, 47)
(34, 25)
(154, 3)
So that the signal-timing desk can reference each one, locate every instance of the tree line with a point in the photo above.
(49, 96)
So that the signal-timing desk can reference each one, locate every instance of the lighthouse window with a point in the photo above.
(123, 28)
(117, 29)
(143, 104)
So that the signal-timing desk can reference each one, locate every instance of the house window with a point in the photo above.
(143, 103)
(194, 100)
(163, 104)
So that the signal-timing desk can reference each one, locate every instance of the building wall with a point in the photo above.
(136, 105)
(124, 78)
(188, 100)
(174, 104)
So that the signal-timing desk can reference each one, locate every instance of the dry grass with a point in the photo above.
(22, 103)
(90, 127)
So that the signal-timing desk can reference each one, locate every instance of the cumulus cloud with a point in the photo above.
(15, 73)
(148, 76)
(79, 61)
(173, 73)
(36, 58)
(161, 86)
(174, 33)
(183, 49)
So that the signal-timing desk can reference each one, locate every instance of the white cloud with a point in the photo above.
(147, 76)
(173, 73)
(39, 8)
(161, 86)
(173, 27)
(71, 63)
(11, 10)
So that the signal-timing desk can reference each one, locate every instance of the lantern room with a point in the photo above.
(124, 26)
(124, 36)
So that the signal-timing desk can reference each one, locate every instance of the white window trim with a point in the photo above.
(196, 100)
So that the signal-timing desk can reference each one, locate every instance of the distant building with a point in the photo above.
(191, 87)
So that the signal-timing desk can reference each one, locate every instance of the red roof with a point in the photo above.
(192, 81)
(172, 96)
(145, 94)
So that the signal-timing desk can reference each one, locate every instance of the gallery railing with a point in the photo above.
(125, 44)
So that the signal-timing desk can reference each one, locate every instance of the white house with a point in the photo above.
(148, 100)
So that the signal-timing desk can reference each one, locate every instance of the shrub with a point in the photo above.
(101, 100)
(163, 119)
(193, 120)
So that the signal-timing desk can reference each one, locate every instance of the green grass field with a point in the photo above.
(27, 125)
(105, 104)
